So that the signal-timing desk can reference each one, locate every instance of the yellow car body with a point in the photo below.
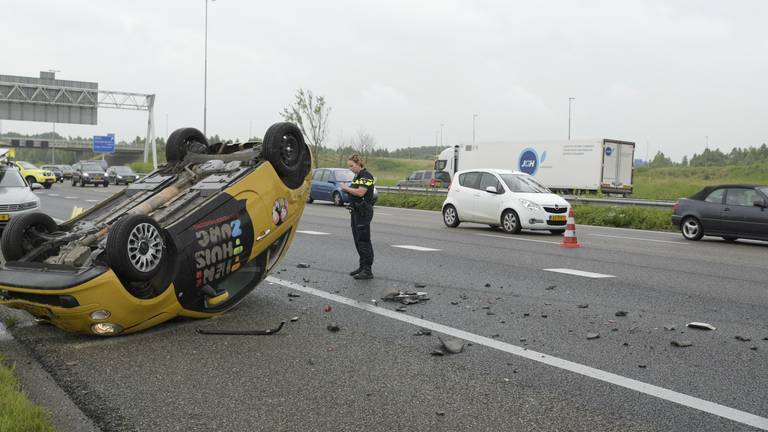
(37, 175)
(216, 253)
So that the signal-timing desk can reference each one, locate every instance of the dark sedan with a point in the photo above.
(728, 211)
(121, 174)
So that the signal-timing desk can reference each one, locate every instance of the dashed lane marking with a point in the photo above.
(510, 237)
(53, 195)
(705, 406)
(312, 232)
(579, 273)
(92, 200)
(640, 239)
(70, 197)
(416, 248)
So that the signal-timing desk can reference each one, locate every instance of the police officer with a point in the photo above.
(360, 193)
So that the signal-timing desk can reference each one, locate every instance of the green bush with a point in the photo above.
(141, 167)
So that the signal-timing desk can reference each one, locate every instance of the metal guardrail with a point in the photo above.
(570, 198)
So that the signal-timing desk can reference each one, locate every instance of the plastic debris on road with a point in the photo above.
(701, 326)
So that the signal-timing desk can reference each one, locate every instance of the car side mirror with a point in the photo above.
(759, 203)
(491, 189)
(36, 186)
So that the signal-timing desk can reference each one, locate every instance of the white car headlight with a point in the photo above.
(85, 174)
(530, 205)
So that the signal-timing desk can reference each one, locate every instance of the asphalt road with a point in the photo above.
(528, 364)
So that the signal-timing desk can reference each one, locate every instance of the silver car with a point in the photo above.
(16, 196)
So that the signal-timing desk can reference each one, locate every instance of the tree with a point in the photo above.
(364, 143)
(310, 113)
(685, 161)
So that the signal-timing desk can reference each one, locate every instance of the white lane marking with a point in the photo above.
(640, 239)
(312, 232)
(70, 197)
(579, 273)
(578, 368)
(510, 237)
(53, 195)
(416, 248)
(599, 227)
(382, 214)
(92, 200)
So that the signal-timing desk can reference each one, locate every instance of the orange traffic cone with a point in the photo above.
(569, 240)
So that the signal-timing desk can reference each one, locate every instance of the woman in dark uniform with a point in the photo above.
(360, 193)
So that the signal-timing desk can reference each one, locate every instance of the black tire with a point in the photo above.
(82, 182)
(510, 222)
(285, 149)
(47, 185)
(17, 240)
(136, 248)
(450, 216)
(730, 238)
(337, 201)
(105, 184)
(183, 141)
(691, 228)
(557, 231)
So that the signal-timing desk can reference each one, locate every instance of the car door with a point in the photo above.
(488, 204)
(710, 210)
(466, 193)
(740, 216)
(314, 192)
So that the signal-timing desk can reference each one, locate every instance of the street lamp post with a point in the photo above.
(205, 78)
(474, 116)
(570, 99)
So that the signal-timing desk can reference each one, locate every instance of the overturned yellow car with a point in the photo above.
(191, 239)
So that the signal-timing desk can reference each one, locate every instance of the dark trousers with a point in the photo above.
(361, 232)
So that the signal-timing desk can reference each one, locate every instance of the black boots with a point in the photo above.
(364, 273)
(356, 271)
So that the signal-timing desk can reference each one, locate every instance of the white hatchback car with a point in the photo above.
(16, 196)
(507, 199)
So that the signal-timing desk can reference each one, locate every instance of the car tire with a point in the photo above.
(16, 242)
(691, 229)
(337, 201)
(310, 200)
(557, 232)
(47, 185)
(730, 238)
(510, 222)
(285, 149)
(136, 248)
(183, 141)
(450, 216)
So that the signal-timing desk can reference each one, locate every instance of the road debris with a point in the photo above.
(455, 303)
(593, 335)
(753, 348)
(327, 308)
(669, 327)
(490, 313)
(423, 332)
(401, 309)
(437, 353)
(293, 295)
(583, 306)
(551, 287)
(487, 285)
(642, 366)
(419, 285)
(333, 327)
(681, 344)
(294, 319)
(303, 265)
(621, 313)
(266, 332)
(440, 413)
(452, 346)
(742, 338)
(701, 326)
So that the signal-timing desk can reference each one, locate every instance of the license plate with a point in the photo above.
(5, 217)
(558, 218)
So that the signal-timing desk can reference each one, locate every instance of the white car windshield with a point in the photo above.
(523, 184)
(123, 170)
(11, 179)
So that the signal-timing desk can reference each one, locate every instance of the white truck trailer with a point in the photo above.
(603, 165)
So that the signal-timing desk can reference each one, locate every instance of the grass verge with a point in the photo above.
(611, 216)
(17, 413)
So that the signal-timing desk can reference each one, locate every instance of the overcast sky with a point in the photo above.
(665, 74)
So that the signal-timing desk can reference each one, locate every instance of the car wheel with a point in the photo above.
(19, 235)
(450, 216)
(692, 229)
(106, 184)
(285, 149)
(557, 232)
(730, 238)
(337, 201)
(510, 222)
(82, 182)
(310, 200)
(47, 185)
(136, 248)
(183, 141)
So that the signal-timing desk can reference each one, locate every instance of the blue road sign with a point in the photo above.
(104, 143)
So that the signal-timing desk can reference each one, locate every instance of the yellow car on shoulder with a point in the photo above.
(33, 174)
(191, 239)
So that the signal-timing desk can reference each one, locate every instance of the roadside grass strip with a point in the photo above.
(672, 396)
(17, 413)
